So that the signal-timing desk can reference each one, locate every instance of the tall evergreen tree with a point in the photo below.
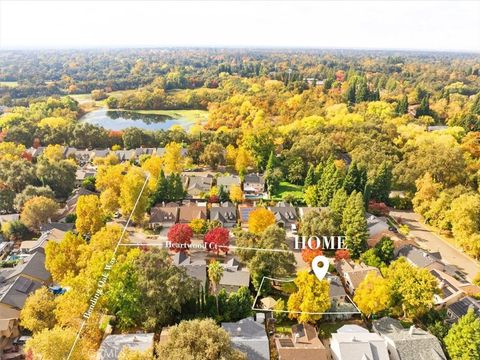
(176, 187)
(310, 178)
(355, 179)
(329, 183)
(162, 191)
(354, 225)
(402, 106)
(337, 206)
(424, 108)
(382, 182)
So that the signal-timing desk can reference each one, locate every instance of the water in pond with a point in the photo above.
(119, 120)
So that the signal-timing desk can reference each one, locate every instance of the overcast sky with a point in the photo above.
(420, 25)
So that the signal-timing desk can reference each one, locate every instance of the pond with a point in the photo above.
(122, 119)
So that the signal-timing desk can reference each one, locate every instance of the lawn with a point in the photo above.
(190, 115)
(288, 188)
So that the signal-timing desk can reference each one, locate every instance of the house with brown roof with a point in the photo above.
(164, 215)
(191, 211)
(304, 344)
(352, 273)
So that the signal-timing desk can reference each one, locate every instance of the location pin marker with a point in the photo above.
(320, 272)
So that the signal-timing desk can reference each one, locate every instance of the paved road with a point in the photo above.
(430, 241)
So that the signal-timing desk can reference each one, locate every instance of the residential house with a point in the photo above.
(352, 273)
(337, 291)
(5, 248)
(16, 284)
(35, 152)
(82, 173)
(268, 303)
(71, 203)
(304, 344)
(227, 181)
(249, 337)
(450, 289)
(113, 345)
(83, 157)
(253, 186)
(100, 153)
(244, 212)
(377, 226)
(144, 151)
(69, 152)
(460, 308)
(408, 344)
(191, 211)
(420, 258)
(196, 269)
(9, 330)
(353, 342)
(226, 214)
(125, 155)
(165, 215)
(4, 219)
(50, 232)
(161, 152)
(234, 276)
(285, 215)
(198, 186)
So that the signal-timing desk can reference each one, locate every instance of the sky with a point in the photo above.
(412, 25)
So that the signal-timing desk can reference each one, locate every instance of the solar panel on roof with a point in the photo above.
(23, 284)
(286, 342)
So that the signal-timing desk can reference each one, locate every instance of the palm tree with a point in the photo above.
(215, 273)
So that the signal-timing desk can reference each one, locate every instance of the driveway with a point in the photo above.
(433, 243)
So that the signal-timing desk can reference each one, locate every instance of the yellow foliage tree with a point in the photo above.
(89, 215)
(109, 201)
(38, 210)
(260, 219)
(38, 311)
(173, 160)
(236, 194)
(243, 160)
(129, 192)
(53, 153)
(373, 294)
(153, 165)
(230, 155)
(312, 296)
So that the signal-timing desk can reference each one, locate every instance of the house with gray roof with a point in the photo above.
(226, 214)
(17, 283)
(408, 344)
(234, 276)
(254, 186)
(420, 258)
(376, 225)
(249, 337)
(196, 269)
(164, 215)
(198, 186)
(227, 181)
(285, 214)
(460, 308)
(113, 345)
(353, 342)
(125, 155)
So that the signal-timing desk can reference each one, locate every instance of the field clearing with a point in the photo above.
(190, 115)
(10, 84)
(288, 188)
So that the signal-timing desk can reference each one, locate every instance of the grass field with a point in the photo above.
(10, 84)
(287, 188)
(190, 115)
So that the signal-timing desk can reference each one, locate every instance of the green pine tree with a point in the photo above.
(329, 183)
(354, 225)
(161, 191)
(310, 178)
(402, 106)
(337, 206)
(382, 182)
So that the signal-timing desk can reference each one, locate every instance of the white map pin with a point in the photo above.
(320, 272)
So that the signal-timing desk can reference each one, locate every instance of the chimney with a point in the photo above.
(411, 331)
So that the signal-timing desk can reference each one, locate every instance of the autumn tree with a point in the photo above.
(260, 219)
(318, 223)
(173, 159)
(37, 211)
(37, 313)
(312, 296)
(62, 257)
(412, 289)
(213, 155)
(32, 191)
(373, 294)
(198, 340)
(180, 236)
(89, 216)
(134, 194)
(236, 194)
(217, 240)
(58, 175)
